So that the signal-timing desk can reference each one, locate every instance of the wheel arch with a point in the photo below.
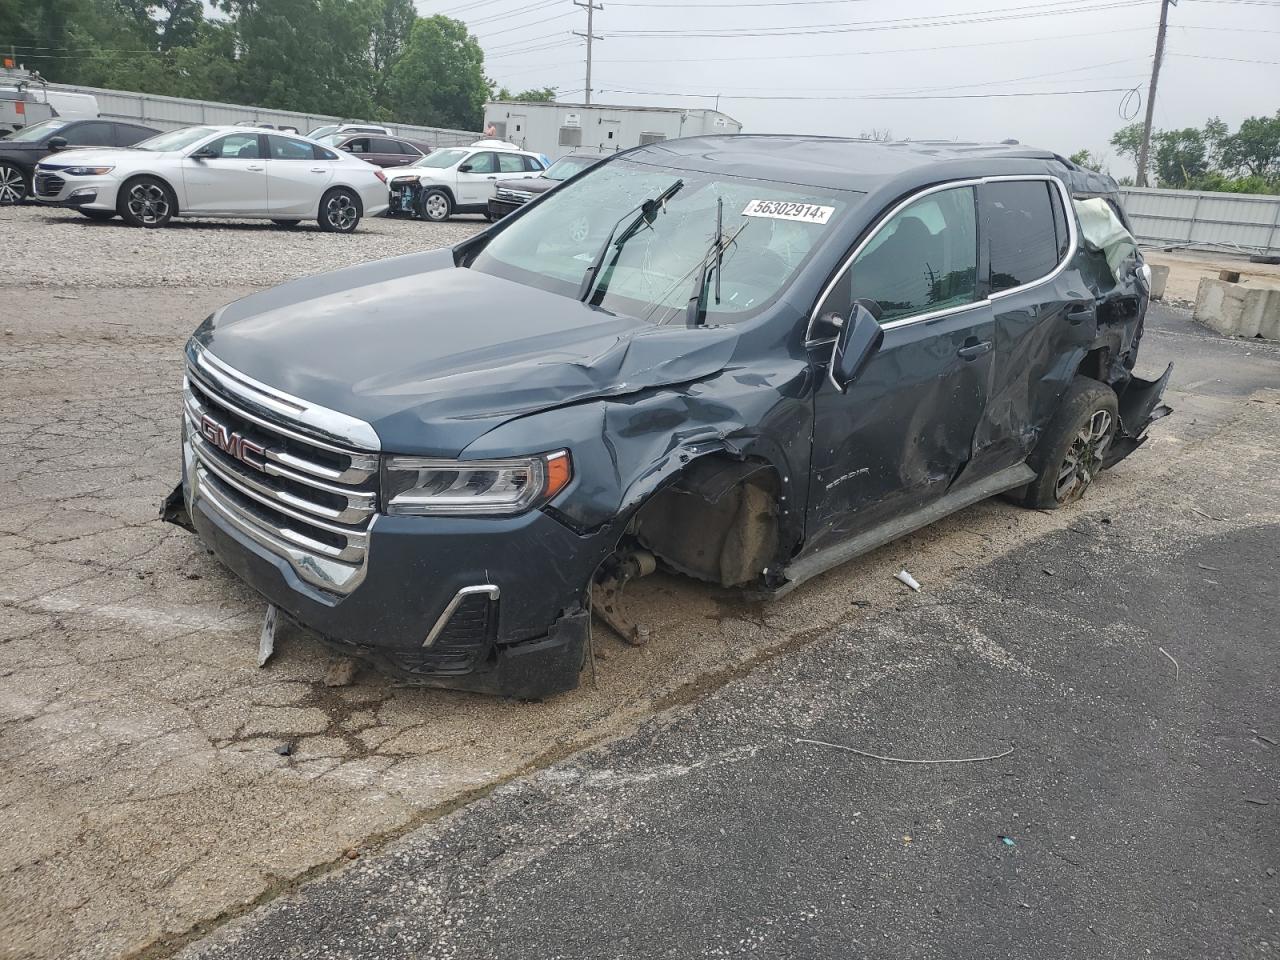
(167, 181)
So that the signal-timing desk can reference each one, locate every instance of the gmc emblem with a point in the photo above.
(244, 450)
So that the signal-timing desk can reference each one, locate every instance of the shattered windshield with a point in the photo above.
(768, 229)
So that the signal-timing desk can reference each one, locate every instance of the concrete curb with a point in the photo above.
(1237, 310)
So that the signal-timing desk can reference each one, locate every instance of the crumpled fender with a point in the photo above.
(1140, 406)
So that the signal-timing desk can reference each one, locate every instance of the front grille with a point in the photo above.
(309, 501)
(48, 184)
(514, 196)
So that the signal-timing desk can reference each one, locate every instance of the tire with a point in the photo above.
(102, 216)
(146, 202)
(1074, 445)
(436, 206)
(339, 211)
(15, 186)
(286, 223)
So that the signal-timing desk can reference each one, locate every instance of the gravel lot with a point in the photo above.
(62, 248)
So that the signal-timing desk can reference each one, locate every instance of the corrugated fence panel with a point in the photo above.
(169, 113)
(1245, 221)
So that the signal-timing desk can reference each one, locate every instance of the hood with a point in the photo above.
(433, 356)
(86, 157)
(534, 185)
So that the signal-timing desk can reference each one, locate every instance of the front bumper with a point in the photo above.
(527, 638)
(500, 208)
(56, 190)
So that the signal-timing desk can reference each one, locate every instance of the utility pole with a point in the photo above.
(591, 7)
(1144, 151)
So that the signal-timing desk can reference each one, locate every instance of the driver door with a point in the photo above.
(233, 181)
(904, 429)
(475, 185)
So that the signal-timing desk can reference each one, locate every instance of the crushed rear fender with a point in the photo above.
(1141, 404)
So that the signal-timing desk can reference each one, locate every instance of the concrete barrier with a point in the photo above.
(1237, 310)
(1159, 277)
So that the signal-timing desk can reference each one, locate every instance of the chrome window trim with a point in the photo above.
(330, 425)
(442, 621)
(1069, 211)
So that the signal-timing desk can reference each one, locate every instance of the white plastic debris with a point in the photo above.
(267, 639)
(908, 579)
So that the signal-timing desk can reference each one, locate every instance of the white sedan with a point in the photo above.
(209, 171)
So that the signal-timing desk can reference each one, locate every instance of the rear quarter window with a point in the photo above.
(1025, 231)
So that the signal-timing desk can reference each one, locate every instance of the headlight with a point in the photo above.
(87, 171)
(417, 486)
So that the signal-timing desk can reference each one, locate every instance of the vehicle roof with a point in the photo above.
(850, 164)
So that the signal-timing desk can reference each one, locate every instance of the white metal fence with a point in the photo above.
(170, 113)
(1247, 222)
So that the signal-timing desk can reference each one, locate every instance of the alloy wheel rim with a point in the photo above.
(12, 188)
(341, 212)
(437, 209)
(1084, 457)
(148, 203)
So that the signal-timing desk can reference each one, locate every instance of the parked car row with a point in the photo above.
(107, 169)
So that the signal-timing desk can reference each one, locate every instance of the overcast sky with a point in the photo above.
(892, 48)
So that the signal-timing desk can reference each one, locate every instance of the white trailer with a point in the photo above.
(556, 129)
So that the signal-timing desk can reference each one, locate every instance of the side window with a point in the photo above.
(383, 145)
(127, 134)
(923, 259)
(322, 153)
(359, 145)
(285, 148)
(90, 135)
(1059, 222)
(237, 146)
(1018, 220)
(510, 163)
(483, 163)
(531, 165)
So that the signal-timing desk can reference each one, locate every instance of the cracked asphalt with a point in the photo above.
(144, 801)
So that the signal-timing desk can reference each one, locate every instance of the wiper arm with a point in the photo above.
(696, 312)
(642, 215)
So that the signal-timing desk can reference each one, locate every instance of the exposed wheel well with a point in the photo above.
(717, 521)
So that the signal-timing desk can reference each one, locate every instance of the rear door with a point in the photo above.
(295, 177)
(903, 431)
(232, 182)
(1045, 318)
(360, 147)
(387, 152)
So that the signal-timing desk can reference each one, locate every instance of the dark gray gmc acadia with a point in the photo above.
(746, 359)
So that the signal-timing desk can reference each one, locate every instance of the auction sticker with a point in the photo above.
(786, 210)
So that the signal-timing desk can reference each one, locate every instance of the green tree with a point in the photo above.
(538, 95)
(1181, 158)
(439, 78)
(1254, 148)
(392, 26)
(1127, 141)
(1083, 158)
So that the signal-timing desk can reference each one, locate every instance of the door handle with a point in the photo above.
(491, 178)
(317, 169)
(973, 349)
(255, 168)
(1078, 313)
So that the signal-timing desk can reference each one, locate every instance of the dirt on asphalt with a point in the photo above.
(141, 785)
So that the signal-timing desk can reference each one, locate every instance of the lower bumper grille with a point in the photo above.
(464, 642)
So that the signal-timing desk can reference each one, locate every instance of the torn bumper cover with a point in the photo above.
(1141, 404)
(492, 606)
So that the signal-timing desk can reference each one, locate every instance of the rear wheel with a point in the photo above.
(146, 202)
(14, 185)
(339, 211)
(1074, 446)
(286, 223)
(100, 215)
(436, 206)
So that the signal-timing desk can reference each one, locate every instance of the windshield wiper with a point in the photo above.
(642, 215)
(696, 312)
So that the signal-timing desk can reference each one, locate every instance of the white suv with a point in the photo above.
(459, 179)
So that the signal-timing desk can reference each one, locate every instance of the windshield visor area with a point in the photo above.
(767, 231)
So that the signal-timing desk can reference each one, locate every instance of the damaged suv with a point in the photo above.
(747, 359)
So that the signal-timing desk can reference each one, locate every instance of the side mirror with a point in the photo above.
(465, 168)
(205, 153)
(859, 338)
(57, 143)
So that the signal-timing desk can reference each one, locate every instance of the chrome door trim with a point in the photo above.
(1068, 211)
